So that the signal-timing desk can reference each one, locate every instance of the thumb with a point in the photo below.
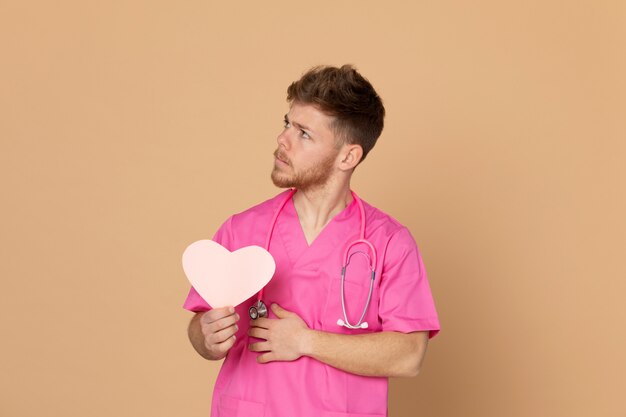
(280, 312)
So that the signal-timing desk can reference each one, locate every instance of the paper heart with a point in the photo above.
(225, 278)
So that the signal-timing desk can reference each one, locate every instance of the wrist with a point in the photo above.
(307, 342)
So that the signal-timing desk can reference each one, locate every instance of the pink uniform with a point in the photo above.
(308, 282)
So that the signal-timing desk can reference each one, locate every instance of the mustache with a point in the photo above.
(282, 157)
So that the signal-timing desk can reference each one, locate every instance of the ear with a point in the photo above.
(350, 155)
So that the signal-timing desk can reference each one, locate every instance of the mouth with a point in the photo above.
(280, 158)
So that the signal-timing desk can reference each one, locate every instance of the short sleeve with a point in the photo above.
(223, 236)
(406, 303)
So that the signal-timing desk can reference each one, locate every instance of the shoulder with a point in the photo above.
(259, 214)
(379, 222)
(397, 249)
(250, 226)
(391, 236)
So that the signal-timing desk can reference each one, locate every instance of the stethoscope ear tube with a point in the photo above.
(363, 325)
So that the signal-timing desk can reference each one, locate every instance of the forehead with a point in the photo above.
(309, 116)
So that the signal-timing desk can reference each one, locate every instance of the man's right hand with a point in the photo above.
(212, 333)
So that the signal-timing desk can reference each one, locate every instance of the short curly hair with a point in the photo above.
(347, 96)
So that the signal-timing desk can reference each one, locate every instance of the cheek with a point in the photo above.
(318, 155)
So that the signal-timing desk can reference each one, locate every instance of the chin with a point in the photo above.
(280, 181)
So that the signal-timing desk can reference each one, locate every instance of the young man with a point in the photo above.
(333, 336)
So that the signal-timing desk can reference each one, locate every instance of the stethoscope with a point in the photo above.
(259, 309)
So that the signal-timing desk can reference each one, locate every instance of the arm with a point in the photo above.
(212, 333)
(376, 354)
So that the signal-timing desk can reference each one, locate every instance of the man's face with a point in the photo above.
(307, 151)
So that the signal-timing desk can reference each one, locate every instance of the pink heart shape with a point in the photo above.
(225, 278)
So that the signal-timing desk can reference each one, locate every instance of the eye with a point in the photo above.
(304, 134)
(286, 124)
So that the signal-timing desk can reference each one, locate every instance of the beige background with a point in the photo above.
(129, 129)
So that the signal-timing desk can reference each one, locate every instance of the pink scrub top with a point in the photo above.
(307, 281)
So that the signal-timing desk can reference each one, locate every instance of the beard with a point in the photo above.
(314, 177)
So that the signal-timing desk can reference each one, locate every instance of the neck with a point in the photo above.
(316, 207)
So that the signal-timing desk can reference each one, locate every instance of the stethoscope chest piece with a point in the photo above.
(258, 309)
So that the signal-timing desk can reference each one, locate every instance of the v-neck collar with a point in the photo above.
(343, 225)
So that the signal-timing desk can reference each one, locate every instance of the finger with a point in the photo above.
(261, 322)
(258, 333)
(222, 335)
(223, 323)
(266, 357)
(223, 347)
(217, 314)
(259, 347)
(280, 312)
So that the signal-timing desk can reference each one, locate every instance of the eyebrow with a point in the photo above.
(296, 124)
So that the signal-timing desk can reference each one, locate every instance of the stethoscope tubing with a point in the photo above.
(360, 324)
(260, 310)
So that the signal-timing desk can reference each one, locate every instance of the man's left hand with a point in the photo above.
(284, 338)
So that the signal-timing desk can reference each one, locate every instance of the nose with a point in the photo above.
(283, 139)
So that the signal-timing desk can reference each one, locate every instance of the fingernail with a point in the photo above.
(236, 327)
(231, 309)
